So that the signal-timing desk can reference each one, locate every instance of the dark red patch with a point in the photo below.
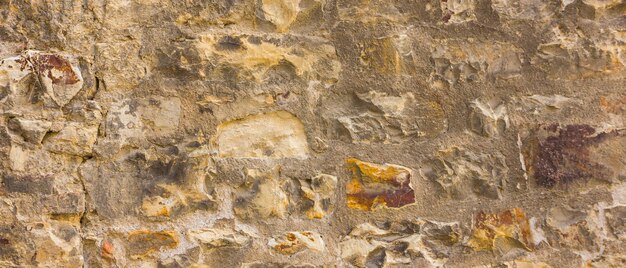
(564, 157)
(43, 64)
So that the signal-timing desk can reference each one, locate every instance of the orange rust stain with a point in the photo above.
(374, 186)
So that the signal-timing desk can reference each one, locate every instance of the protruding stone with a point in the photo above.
(56, 76)
(470, 60)
(460, 174)
(144, 242)
(560, 155)
(501, 232)
(393, 119)
(488, 119)
(293, 242)
(74, 139)
(281, 13)
(310, 59)
(458, 11)
(261, 195)
(320, 190)
(271, 135)
(378, 186)
(397, 243)
(216, 238)
(32, 131)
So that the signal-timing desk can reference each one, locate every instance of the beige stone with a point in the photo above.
(270, 135)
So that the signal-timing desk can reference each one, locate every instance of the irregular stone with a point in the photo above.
(383, 55)
(616, 221)
(310, 59)
(320, 190)
(470, 60)
(460, 174)
(393, 120)
(520, 264)
(378, 186)
(281, 13)
(56, 76)
(501, 232)
(218, 237)
(293, 242)
(58, 244)
(535, 10)
(74, 139)
(270, 135)
(155, 206)
(458, 11)
(576, 230)
(488, 119)
(274, 264)
(571, 55)
(564, 154)
(161, 114)
(399, 243)
(144, 242)
(261, 196)
(29, 184)
(32, 131)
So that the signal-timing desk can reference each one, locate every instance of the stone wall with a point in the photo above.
(312, 133)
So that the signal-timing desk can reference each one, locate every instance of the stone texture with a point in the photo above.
(378, 186)
(312, 133)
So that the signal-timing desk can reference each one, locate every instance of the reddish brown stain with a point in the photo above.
(44, 64)
(564, 157)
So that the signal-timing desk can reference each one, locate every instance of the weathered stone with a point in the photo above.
(320, 190)
(53, 239)
(489, 119)
(271, 135)
(293, 242)
(559, 155)
(460, 174)
(471, 60)
(73, 139)
(261, 195)
(392, 121)
(378, 186)
(219, 237)
(57, 77)
(313, 59)
(576, 230)
(31, 130)
(458, 11)
(501, 232)
(399, 243)
(142, 243)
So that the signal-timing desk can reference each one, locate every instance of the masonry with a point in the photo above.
(312, 133)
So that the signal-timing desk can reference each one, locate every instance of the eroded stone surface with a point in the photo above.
(274, 135)
(501, 232)
(145, 133)
(399, 243)
(293, 242)
(376, 186)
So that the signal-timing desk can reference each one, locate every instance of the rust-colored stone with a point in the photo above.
(501, 231)
(565, 157)
(373, 186)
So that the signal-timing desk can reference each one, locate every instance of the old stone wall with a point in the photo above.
(312, 133)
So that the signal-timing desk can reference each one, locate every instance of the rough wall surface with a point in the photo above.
(312, 133)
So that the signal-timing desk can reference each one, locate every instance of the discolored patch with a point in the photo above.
(293, 242)
(374, 186)
(142, 243)
(562, 154)
(501, 232)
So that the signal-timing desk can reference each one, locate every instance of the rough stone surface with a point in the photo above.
(313, 133)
